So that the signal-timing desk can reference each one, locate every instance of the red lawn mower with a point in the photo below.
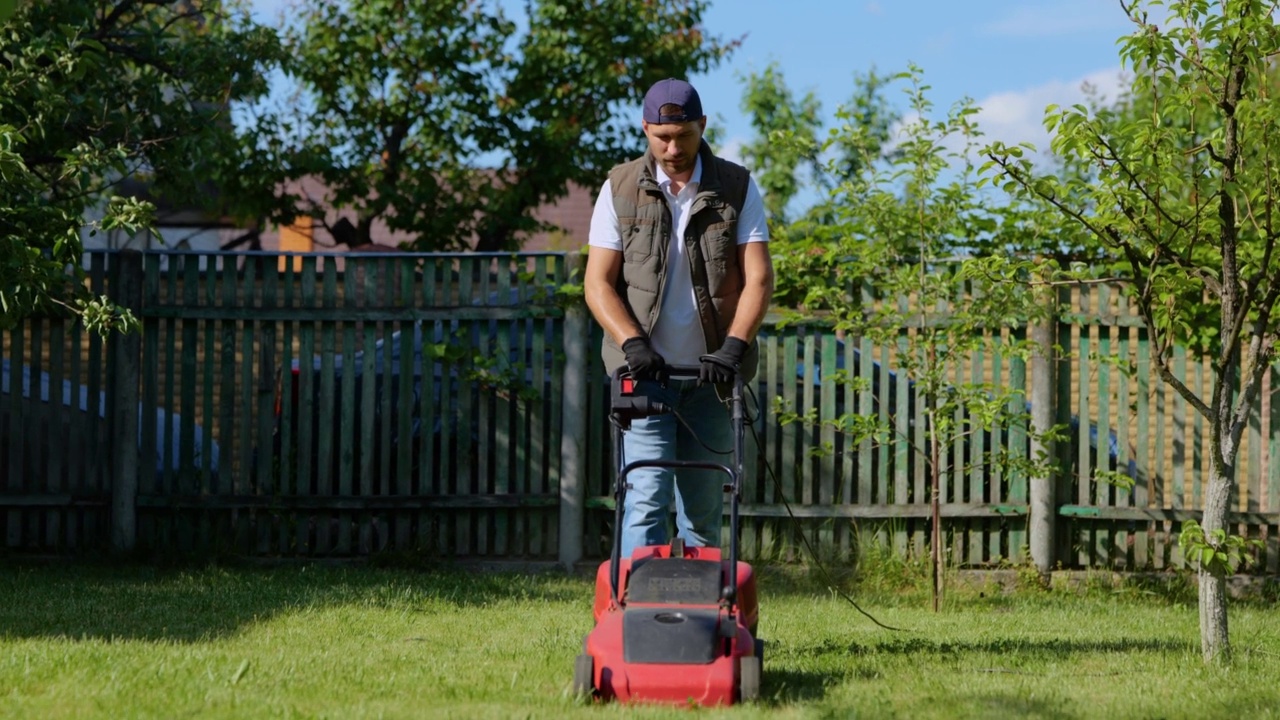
(674, 624)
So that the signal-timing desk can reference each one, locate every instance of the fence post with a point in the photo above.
(573, 435)
(127, 293)
(1042, 514)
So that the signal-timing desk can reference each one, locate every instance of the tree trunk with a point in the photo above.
(935, 486)
(1214, 643)
(935, 518)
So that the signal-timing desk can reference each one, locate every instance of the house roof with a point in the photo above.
(571, 214)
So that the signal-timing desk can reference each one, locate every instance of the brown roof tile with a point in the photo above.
(572, 214)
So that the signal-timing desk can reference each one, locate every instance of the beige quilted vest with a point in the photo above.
(644, 222)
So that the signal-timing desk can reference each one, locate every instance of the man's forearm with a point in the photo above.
(757, 292)
(752, 308)
(611, 314)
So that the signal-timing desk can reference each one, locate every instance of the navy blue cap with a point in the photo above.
(672, 92)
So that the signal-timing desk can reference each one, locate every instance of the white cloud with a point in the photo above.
(1065, 17)
(875, 8)
(1018, 116)
(731, 149)
(1015, 117)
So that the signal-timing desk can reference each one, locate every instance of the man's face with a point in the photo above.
(675, 145)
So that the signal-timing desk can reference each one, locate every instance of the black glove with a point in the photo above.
(643, 361)
(722, 365)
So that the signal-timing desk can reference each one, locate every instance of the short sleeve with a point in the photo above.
(752, 223)
(604, 222)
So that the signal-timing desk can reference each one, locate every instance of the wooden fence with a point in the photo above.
(454, 406)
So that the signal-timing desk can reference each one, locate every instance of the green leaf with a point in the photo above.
(1206, 556)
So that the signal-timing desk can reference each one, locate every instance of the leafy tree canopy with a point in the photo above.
(452, 122)
(91, 94)
(1183, 189)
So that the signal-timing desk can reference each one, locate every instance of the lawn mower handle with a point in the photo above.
(683, 372)
(626, 406)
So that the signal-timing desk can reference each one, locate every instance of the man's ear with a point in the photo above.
(702, 123)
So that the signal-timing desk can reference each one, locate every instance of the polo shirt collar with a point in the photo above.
(664, 180)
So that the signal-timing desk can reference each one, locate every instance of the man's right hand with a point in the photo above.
(644, 362)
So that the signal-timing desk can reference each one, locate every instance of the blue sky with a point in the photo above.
(1012, 57)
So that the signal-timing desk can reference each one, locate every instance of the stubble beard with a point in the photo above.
(678, 167)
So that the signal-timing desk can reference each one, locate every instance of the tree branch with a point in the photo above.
(1250, 387)
(1162, 340)
(108, 23)
(1134, 182)
(1072, 213)
(147, 60)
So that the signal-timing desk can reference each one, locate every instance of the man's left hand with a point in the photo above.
(722, 365)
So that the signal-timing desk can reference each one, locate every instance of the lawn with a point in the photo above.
(364, 642)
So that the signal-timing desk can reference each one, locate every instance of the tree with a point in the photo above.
(787, 141)
(786, 138)
(92, 93)
(863, 135)
(1186, 193)
(897, 272)
(443, 121)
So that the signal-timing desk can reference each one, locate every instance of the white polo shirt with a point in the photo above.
(677, 335)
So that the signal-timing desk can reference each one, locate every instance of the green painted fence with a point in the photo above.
(266, 410)
(1110, 379)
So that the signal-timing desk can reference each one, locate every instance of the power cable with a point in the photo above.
(804, 538)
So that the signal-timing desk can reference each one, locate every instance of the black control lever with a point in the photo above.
(626, 405)
(640, 406)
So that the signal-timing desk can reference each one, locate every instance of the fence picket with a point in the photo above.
(848, 453)
(305, 382)
(997, 485)
(287, 480)
(326, 452)
(56, 518)
(977, 489)
(372, 473)
(1109, 542)
(15, 478)
(484, 433)
(1142, 483)
(826, 476)
(790, 459)
(1085, 540)
(1017, 489)
(1165, 409)
(413, 367)
(1272, 542)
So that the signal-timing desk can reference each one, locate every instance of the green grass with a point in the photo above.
(315, 641)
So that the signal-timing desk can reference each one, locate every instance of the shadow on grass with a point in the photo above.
(129, 602)
(1017, 704)
(898, 584)
(842, 662)
(783, 686)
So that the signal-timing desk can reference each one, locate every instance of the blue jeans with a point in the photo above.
(698, 493)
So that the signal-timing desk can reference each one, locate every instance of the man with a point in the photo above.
(678, 273)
